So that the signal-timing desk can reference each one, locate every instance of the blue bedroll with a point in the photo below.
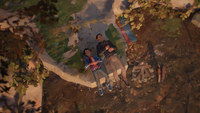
(128, 30)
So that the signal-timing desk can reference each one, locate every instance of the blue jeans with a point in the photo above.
(96, 76)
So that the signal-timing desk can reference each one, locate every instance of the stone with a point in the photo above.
(12, 19)
(196, 19)
(31, 25)
(69, 54)
(138, 86)
(4, 14)
(4, 25)
(73, 2)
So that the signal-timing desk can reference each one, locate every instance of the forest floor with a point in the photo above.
(176, 44)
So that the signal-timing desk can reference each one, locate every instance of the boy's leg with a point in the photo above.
(106, 78)
(112, 66)
(121, 66)
(105, 75)
(96, 77)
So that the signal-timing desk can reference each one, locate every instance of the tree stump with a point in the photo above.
(142, 72)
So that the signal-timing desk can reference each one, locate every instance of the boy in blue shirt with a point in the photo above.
(94, 63)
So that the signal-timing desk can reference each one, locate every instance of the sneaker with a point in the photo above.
(119, 88)
(100, 92)
(109, 87)
(127, 84)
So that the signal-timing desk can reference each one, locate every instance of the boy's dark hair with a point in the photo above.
(98, 35)
(85, 50)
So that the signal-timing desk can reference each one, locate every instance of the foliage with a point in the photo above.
(196, 3)
(76, 62)
(113, 36)
(160, 9)
(16, 54)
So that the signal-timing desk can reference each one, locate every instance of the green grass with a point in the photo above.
(170, 26)
(112, 35)
(75, 62)
(66, 9)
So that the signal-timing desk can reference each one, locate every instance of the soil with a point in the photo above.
(178, 93)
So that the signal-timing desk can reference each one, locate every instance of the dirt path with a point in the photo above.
(178, 93)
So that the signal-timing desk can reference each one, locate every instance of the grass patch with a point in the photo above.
(170, 26)
(113, 36)
(75, 62)
(66, 9)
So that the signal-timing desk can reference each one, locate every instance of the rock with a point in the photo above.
(157, 52)
(132, 90)
(24, 21)
(31, 25)
(115, 98)
(4, 25)
(4, 14)
(12, 20)
(11, 30)
(138, 86)
(73, 2)
(196, 19)
(69, 54)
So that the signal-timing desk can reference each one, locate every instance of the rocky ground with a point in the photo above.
(176, 45)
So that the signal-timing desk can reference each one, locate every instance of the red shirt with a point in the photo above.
(92, 60)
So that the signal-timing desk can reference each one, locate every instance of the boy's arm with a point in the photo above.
(97, 59)
(100, 51)
(87, 63)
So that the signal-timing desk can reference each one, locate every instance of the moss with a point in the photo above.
(66, 9)
(75, 62)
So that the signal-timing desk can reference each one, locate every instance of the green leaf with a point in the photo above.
(7, 78)
(18, 78)
(38, 66)
(24, 90)
(41, 81)
(27, 78)
(132, 23)
(18, 89)
(131, 19)
(16, 66)
(27, 57)
(43, 76)
(125, 15)
(15, 81)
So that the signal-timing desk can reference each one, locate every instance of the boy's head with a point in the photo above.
(99, 37)
(87, 52)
